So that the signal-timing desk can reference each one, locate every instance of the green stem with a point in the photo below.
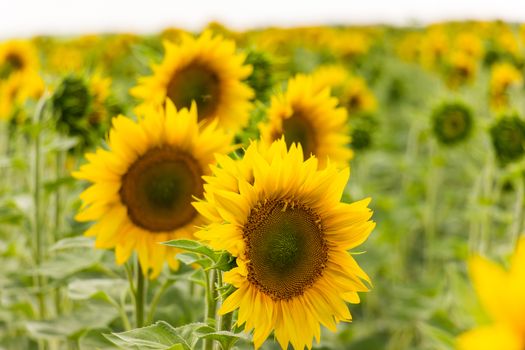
(432, 190)
(518, 210)
(37, 203)
(211, 305)
(140, 298)
(122, 313)
(488, 198)
(59, 166)
(154, 302)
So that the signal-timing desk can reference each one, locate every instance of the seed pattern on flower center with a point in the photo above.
(198, 83)
(285, 247)
(298, 129)
(158, 188)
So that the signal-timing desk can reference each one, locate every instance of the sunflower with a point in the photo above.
(281, 217)
(19, 78)
(17, 56)
(357, 97)
(460, 69)
(508, 138)
(305, 115)
(452, 122)
(502, 294)
(503, 77)
(206, 70)
(143, 186)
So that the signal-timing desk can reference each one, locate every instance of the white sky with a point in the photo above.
(19, 18)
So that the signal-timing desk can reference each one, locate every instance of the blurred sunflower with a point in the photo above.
(19, 76)
(143, 186)
(452, 122)
(508, 138)
(332, 76)
(502, 294)
(17, 56)
(460, 69)
(470, 44)
(357, 97)
(503, 77)
(434, 47)
(310, 117)
(206, 70)
(284, 222)
(83, 105)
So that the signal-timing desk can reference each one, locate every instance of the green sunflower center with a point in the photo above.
(12, 63)
(454, 124)
(286, 248)
(158, 188)
(195, 82)
(298, 129)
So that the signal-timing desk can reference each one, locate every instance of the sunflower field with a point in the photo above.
(328, 187)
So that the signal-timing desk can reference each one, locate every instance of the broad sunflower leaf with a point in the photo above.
(96, 288)
(159, 336)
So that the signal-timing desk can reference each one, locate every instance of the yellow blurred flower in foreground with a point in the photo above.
(502, 294)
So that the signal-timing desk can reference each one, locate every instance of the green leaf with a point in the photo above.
(226, 339)
(97, 288)
(192, 246)
(94, 339)
(67, 263)
(194, 258)
(87, 316)
(72, 243)
(224, 262)
(160, 336)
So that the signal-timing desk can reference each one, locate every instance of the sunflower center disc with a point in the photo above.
(158, 188)
(454, 125)
(298, 129)
(12, 64)
(198, 83)
(286, 249)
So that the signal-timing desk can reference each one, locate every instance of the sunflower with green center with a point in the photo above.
(452, 122)
(281, 217)
(206, 70)
(142, 188)
(309, 116)
(502, 294)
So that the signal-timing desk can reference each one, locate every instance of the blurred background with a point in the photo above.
(31, 17)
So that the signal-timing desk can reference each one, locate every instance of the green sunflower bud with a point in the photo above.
(508, 139)
(452, 123)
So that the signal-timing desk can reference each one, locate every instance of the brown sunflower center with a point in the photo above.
(285, 247)
(158, 188)
(12, 63)
(195, 82)
(299, 129)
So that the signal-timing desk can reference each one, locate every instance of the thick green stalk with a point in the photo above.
(211, 304)
(140, 297)
(59, 167)
(38, 234)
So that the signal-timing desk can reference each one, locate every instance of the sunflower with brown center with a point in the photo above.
(281, 217)
(143, 186)
(19, 78)
(206, 70)
(308, 115)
